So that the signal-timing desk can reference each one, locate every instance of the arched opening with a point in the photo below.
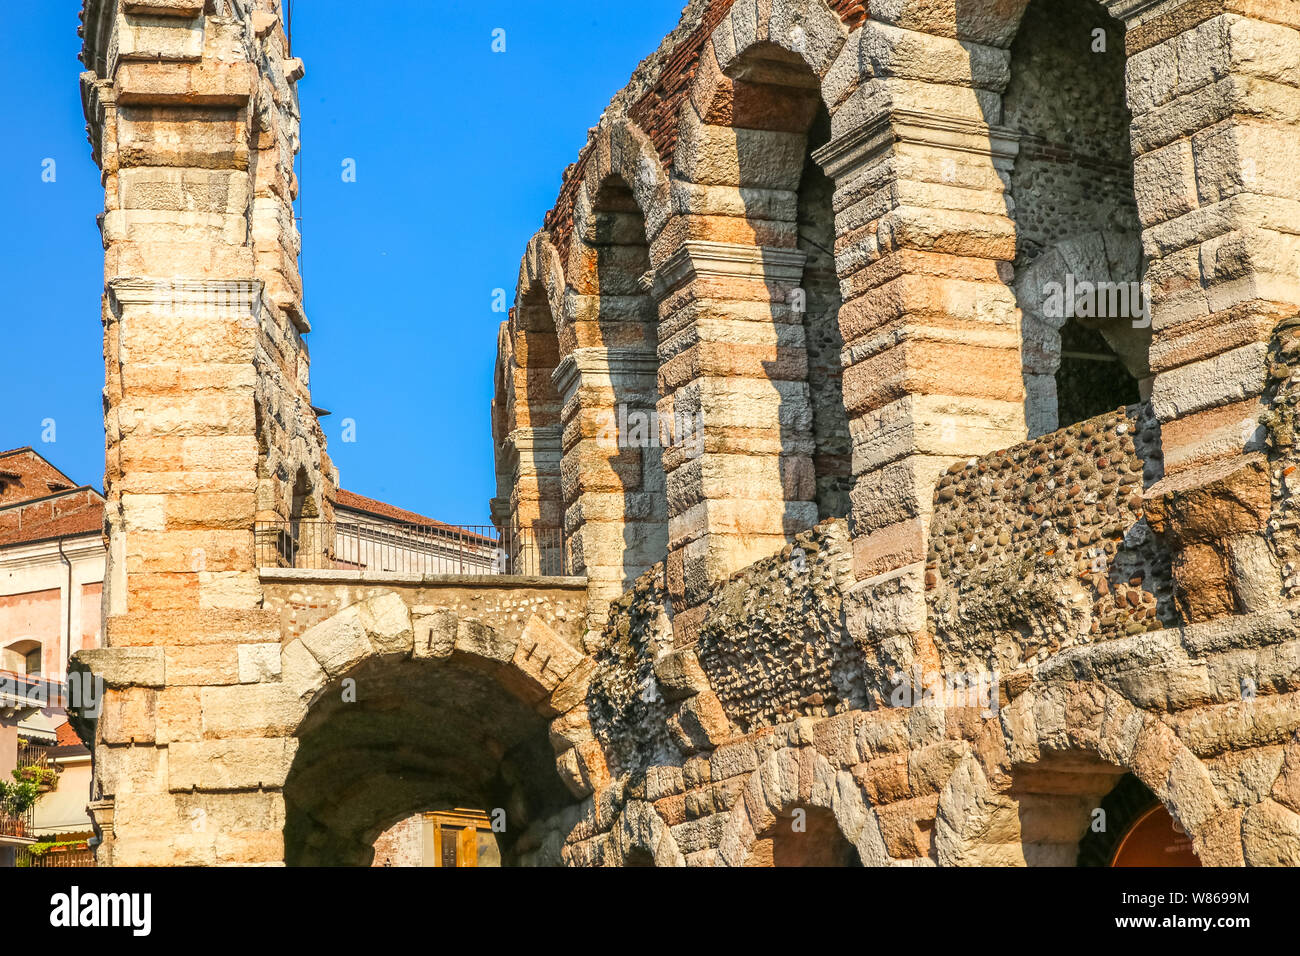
(1135, 829)
(531, 442)
(1079, 266)
(780, 120)
(23, 657)
(398, 736)
(803, 837)
(1073, 808)
(616, 503)
(298, 540)
(757, 315)
(832, 447)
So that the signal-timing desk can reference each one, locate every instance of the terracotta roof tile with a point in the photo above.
(352, 501)
(26, 475)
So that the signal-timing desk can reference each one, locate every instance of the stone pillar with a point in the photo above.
(1213, 88)
(611, 474)
(535, 488)
(734, 380)
(208, 422)
(531, 459)
(932, 368)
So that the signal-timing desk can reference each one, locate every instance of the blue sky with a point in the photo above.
(459, 153)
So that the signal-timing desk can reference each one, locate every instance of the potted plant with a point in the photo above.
(45, 778)
(18, 797)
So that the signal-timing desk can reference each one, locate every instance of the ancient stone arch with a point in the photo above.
(800, 778)
(619, 148)
(616, 520)
(394, 706)
(541, 265)
(810, 29)
(641, 837)
(1102, 260)
(217, 685)
(734, 294)
(1066, 747)
(526, 411)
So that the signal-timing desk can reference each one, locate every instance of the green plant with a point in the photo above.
(40, 849)
(41, 776)
(18, 797)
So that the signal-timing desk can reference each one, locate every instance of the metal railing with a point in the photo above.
(410, 548)
(20, 825)
(79, 855)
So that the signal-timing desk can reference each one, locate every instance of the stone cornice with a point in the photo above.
(848, 153)
(500, 509)
(604, 362)
(234, 297)
(152, 83)
(698, 259)
(96, 96)
(543, 436)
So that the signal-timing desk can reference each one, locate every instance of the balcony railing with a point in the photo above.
(66, 855)
(34, 758)
(18, 825)
(410, 548)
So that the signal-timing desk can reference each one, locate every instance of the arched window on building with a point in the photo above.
(1079, 265)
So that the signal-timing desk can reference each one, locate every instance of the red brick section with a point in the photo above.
(657, 112)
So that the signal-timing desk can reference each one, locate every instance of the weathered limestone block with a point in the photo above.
(129, 715)
(1270, 835)
(435, 632)
(481, 640)
(244, 710)
(259, 662)
(387, 622)
(123, 667)
(340, 643)
(230, 764)
(699, 723)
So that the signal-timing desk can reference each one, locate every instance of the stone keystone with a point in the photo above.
(479, 640)
(340, 643)
(435, 633)
(387, 621)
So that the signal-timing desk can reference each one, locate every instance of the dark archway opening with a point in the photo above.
(832, 446)
(398, 736)
(1137, 831)
(808, 838)
(633, 489)
(1079, 266)
(537, 501)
